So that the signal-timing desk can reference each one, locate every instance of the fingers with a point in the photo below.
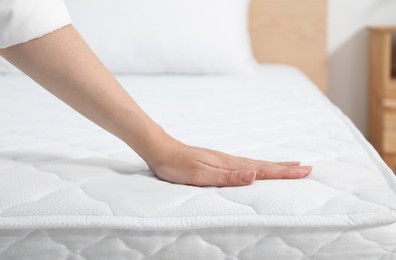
(289, 163)
(217, 177)
(244, 161)
(275, 170)
(211, 176)
(223, 178)
(283, 172)
(262, 162)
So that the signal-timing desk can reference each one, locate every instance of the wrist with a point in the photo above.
(161, 150)
(153, 144)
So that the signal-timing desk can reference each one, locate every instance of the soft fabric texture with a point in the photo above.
(24, 20)
(232, 243)
(60, 171)
(173, 36)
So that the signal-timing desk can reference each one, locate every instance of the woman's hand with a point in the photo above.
(63, 63)
(197, 166)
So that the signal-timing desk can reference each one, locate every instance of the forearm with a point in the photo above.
(62, 63)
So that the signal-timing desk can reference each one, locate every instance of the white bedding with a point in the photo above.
(69, 190)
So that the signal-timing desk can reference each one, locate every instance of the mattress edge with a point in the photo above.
(182, 223)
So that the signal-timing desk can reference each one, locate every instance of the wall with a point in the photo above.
(348, 52)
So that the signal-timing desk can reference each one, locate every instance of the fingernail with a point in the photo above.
(246, 176)
(305, 170)
(302, 171)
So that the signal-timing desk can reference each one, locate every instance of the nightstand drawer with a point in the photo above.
(389, 140)
(382, 96)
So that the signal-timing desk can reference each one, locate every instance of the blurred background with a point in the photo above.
(348, 50)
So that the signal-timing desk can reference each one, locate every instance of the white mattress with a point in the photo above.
(69, 190)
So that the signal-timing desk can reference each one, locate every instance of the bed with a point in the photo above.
(70, 190)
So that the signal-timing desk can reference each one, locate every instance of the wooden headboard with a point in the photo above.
(291, 32)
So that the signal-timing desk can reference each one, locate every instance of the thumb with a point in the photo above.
(226, 178)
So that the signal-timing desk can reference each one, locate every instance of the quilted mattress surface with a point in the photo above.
(70, 190)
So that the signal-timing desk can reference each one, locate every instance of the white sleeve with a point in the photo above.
(25, 20)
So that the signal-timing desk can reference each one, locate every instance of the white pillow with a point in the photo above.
(167, 36)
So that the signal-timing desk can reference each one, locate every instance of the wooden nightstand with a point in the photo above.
(382, 94)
